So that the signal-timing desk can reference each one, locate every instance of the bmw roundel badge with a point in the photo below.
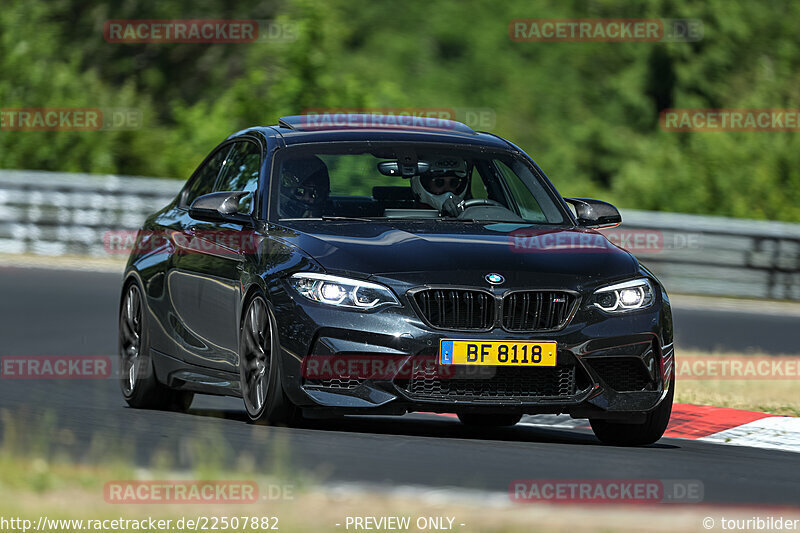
(494, 279)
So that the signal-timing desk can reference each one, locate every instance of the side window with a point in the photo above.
(240, 173)
(204, 179)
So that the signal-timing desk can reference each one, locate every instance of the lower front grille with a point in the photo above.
(335, 383)
(623, 374)
(507, 384)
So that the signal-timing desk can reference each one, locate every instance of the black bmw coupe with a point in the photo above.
(368, 264)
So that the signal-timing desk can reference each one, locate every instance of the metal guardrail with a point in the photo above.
(48, 213)
(722, 256)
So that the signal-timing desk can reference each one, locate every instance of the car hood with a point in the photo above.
(460, 252)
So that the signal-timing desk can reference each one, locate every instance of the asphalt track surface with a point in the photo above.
(57, 312)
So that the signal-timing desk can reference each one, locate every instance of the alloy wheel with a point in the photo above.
(130, 338)
(255, 357)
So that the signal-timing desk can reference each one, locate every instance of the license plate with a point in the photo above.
(497, 353)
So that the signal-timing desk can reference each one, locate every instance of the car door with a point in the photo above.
(206, 274)
(171, 335)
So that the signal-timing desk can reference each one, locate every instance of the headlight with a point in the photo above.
(627, 296)
(342, 292)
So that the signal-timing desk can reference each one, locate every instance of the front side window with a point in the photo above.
(205, 177)
(382, 181)
(240, 172)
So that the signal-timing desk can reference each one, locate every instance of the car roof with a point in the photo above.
(299, 129)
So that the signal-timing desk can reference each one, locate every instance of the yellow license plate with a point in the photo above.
(497, 353)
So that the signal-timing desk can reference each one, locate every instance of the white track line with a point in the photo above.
(772, 433)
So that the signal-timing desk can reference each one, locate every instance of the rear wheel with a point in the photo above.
(259, 371)
(648, 432)
(484, 420)
(140, 388)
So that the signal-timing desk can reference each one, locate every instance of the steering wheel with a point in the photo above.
(482, 201)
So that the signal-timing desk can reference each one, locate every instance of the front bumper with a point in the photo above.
(608, 367)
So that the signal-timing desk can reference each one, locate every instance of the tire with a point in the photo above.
(260, 375)
(648, 432)
(484, 420)
(140, 387)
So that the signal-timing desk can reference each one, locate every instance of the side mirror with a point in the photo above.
(219, 207)
(595, 213)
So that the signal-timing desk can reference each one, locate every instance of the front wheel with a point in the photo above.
(259, 370)
(648, 432)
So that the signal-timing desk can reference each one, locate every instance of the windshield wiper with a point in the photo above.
(356, 219)
(466, 220)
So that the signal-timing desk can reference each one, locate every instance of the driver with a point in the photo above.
(305, 185)
(444, 186)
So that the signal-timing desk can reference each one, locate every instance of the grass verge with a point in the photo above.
(752, 393)
(76, 493)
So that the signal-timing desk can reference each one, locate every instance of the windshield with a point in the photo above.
(411, 182)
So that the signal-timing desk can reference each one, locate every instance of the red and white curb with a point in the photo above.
(774, 433)
(702, 421)
(720, 425)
